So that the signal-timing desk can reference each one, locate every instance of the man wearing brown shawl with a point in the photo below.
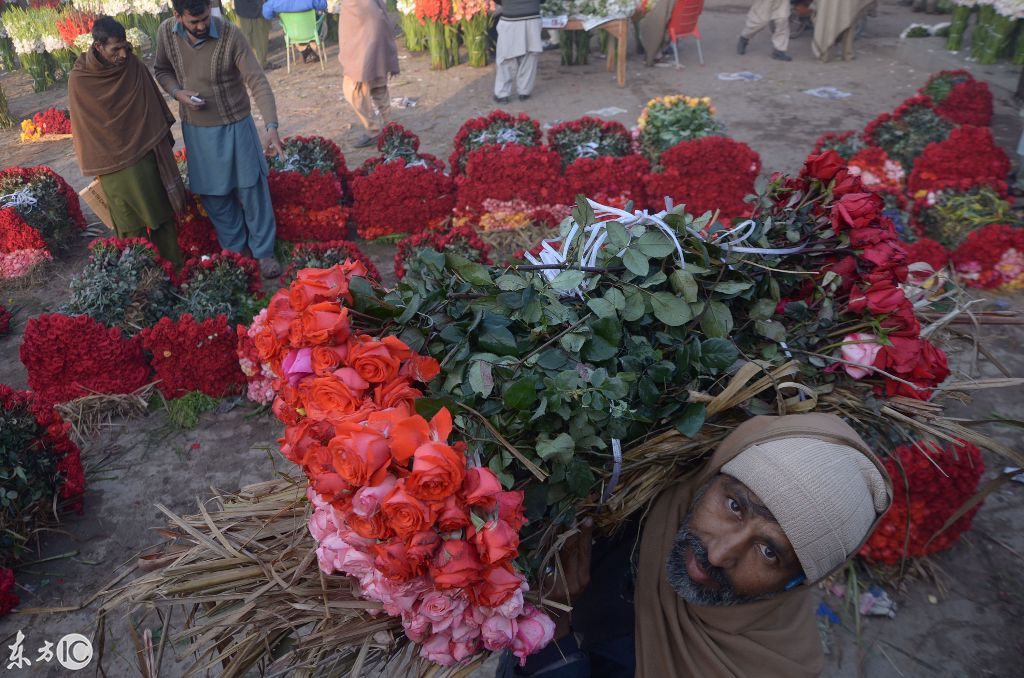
(121, 130)
(368, 56)
(720, 582)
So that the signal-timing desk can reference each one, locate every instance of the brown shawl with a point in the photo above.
(117, 117)
(768, 638)
(367, 50)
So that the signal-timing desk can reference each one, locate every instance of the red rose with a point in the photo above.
(885, 255)
(497, 542)
(480, 487)
(845, 268)
(856, 210)
(423, 545)
(456, 565)
(325, 322)
(453, 515)
(824, 166)
(881, 297)
(393, 561)
(510, 508)
(406, 514)
(846, 183)
(914, 360)
(902, 322)
(437, 472)
(497, 585)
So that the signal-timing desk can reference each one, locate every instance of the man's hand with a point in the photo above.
(567, 585)
(184, 97)
(272, 144)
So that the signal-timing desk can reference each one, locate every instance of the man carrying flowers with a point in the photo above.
(720, 581)
(205, 63)
(122, 134)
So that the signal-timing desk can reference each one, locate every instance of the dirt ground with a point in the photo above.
(963, 620)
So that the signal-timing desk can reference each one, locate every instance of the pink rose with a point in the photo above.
(437, 649)
(534, 630)
(350, 378)
(416, 627)
(297, 364)
(366, 501)
(465, 649)
(513, 607)
(860, 348)
(466, 628)
(498, 632)
(324, 521)
(441, 609)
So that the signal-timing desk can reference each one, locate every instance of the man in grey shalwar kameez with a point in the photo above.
(519, 46)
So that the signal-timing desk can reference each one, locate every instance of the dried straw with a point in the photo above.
(88, 414)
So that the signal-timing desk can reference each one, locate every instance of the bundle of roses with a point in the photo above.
(326, 255)
(589, 137)
(904, 133)
(21, 246)
(608, 180)
(497, 128)
(297, 224)
(197, 236)
(395, 505)
(46, 202)
(706, 174)
(70, 357)
(194, 355)
(315, 191)
(5, 320)
(879, 173)
(530, 173)
(307, 154)
(991, 257)
(959, 98)
(309, 183)
(42, 473)
(953, 209)
(401, 191)
(259, 375)
(930, 484)
(846, 144)
(668, 120)
(224, 283)
(51, 122)
(460, 240)
(969, 153)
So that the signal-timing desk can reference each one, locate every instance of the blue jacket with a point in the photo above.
(272, 7)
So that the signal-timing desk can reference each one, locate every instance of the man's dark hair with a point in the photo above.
(193, 7)
(105, 28)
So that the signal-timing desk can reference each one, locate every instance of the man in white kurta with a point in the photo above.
(519, 47)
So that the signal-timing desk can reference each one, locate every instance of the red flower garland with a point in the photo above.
(191, 356)
(400, 198)
(968, 154)
(925, 500)
(296, 224)
(314, 191)
(511, 172)
(963, 100)
(16, 234)
(209, 262)
(70, 357)
(26, 174)
(609, 179)
(477, 132)
(462, 240)
(707, 174)
(608, 138)
(197, 235)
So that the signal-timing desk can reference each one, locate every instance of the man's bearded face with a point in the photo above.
(730, 549)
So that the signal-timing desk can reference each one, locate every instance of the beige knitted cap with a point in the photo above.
(824, 495)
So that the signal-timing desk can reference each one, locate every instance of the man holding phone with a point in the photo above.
(205, 63)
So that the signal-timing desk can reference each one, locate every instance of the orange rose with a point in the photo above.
(329, 398)
(406, 514)
(280, 314)
(320, 284)
(408, 434)
(437, 472)
(453, 515)
(497, 585)
(393, 561)
(361, 454)
(397, 347)
(397, 394)
(510, 508)
(325, 323)
(267, 345)
(374, 527)
(497, 542)
(423, 545)
(480, 487)
(372, 360)
(326, 359)
(285, 410)
(325, 481)
(421, 368)
(456, 565)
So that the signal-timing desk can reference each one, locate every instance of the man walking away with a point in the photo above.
(122, 134)
(368, 56)
(206, 65)
(255, 28)
(519, 46)
(761, 13)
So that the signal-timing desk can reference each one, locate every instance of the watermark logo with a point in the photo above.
(74, 651)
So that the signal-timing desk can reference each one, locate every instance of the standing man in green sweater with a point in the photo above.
(205, 64)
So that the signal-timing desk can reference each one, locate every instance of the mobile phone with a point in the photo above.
(196, 100)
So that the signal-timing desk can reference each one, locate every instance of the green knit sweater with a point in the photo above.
(220, 70)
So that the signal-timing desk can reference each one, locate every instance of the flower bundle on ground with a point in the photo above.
(21, 246)
(878, 172)
(397, 504)
(930, 483)
(904, 133)
(401, 191)
(194, 355)
(952, 210)
(326, 255)
(46, 202)
(259, 375)
(991, 257)
(52, 121)
(460, 240)
(41, 470)
(846, 144)
(609, 180)
(309, 182)
(496, 128)
(968, 154)
(589, 137)
(197, 236)
(666, 121)
(220, 284)
(529, 173)
(706, 174)
(959, 98)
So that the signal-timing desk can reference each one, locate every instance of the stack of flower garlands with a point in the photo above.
(53, 123)
(400, 191)
(41, 471)
(599, 161)
(131, 320)
(308, 188)
(40, 215)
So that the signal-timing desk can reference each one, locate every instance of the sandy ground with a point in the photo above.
(962, 622)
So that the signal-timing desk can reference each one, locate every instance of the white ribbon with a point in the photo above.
(22, 198)
(588, 149)
(616, 470)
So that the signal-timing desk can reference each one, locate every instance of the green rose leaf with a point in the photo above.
(481, 379)
(685, 284)
(579, 477)
(763, 309)
(654, 244)
(718, 354)
(618, 237)
(634, 309)
(670, 309)
(691, 420)
(560, 448)
(470, 271)
(511, 283)
(616, 298)
(602, 308)
(717, 320)
(635, 262)
(522, 394)
(732, 286)
(567, 280)
(770, 329)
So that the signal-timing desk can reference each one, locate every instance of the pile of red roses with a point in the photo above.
(928, 251)
(960, 98)
(199, 267)
(589, 137)
(878, 172)
(308, 186)
(67, 358)
(194, 356)
(296, 224)
(930, 484)
(52, 121)
(52, 208)
(530, 173)
(707, 174)
(498, 128)
(326, 255)
(461, 240)
(196, 234)
(314, 191)
(969, 154)
(991, 257)
(609, 180)
(16, 234)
